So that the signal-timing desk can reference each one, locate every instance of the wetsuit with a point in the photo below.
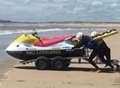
(99, 48)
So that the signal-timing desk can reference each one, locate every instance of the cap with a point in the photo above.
(94, 33)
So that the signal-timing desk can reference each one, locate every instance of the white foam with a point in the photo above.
(8, 32)
(5, 33)
(47, 30)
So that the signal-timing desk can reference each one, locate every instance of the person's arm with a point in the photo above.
(77, 43)
(88, 42)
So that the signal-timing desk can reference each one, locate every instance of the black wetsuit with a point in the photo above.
(99, 48)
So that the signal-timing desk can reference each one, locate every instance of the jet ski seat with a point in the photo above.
(51, 41)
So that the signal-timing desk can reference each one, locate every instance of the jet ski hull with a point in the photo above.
(28, 55)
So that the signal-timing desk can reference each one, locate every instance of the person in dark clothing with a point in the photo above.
(99, 48)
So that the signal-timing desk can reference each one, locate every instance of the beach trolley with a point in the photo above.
(49, 53)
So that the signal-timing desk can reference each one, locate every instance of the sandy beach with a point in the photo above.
(77, 76)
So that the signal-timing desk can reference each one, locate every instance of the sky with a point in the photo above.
(60, 10)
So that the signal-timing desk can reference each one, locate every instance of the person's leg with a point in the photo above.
(108, 57)
(106, 51)
(106, 61)
(101, 57)
(92, 56)
(108, 54)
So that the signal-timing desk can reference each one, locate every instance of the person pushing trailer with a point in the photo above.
(98, 46)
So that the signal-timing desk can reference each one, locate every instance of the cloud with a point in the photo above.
(26, 1)
(6, 3)
(96, 3)
(114, 5)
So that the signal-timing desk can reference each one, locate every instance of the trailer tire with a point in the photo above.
(67, 62)
(42, 63)
(58, 63)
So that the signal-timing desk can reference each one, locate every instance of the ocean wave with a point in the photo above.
(9, 32)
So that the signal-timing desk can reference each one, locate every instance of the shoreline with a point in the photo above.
(48, 25)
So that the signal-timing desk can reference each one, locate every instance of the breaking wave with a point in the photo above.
(8, 32)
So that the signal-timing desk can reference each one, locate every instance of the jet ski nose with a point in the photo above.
(9, 51)
(11, 47)
(14, 47)
(14, 51)
(15, 54)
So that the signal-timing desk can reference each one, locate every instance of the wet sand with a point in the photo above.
(77, 76)
(5, 66)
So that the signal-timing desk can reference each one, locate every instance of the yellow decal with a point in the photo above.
(26, 38)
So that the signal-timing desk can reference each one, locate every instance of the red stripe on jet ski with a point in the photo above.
(51, 41)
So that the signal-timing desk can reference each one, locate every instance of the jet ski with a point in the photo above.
(27, 47)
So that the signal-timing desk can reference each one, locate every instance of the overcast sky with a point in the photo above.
(59, 10)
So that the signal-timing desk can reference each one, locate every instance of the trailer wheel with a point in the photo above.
(67, 62)
(42, 63)
(58, 63)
